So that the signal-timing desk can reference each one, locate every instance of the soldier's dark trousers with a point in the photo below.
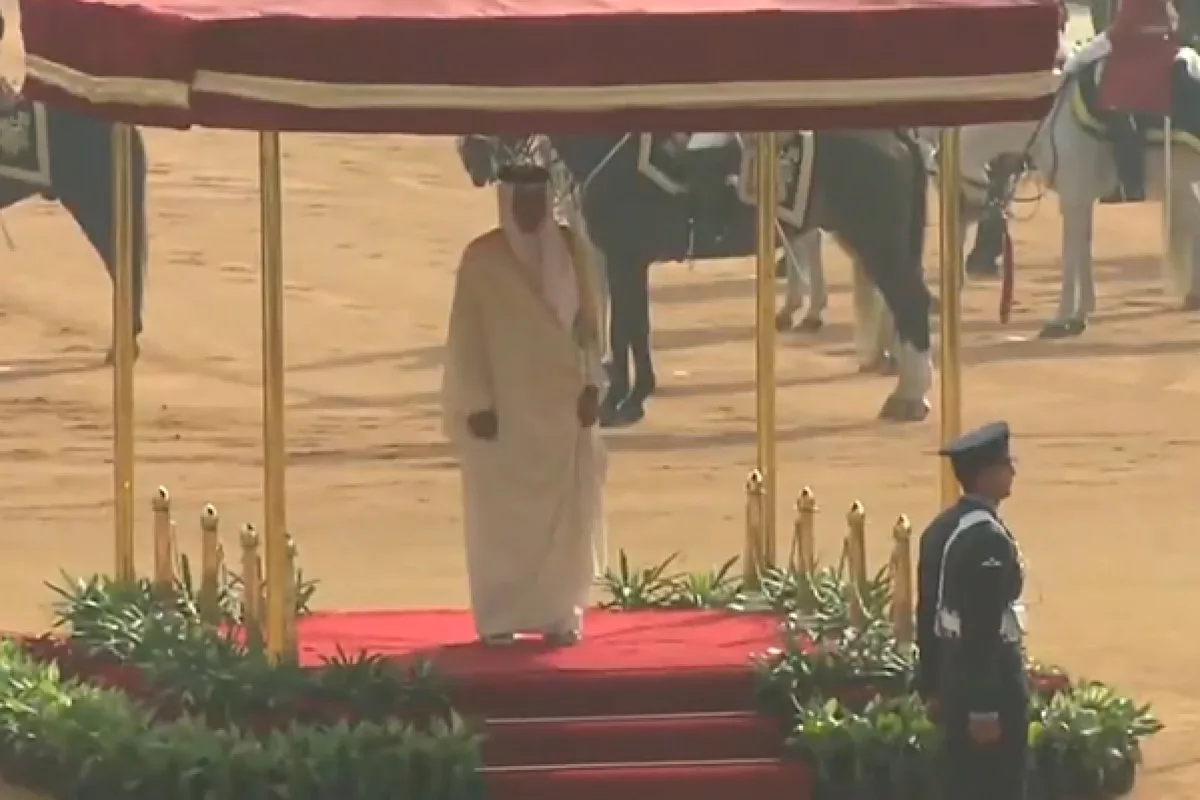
(986, 772)
(989, 243)
(1129, 151)
(989, 235)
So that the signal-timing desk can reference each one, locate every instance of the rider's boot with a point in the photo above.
(1129, 152)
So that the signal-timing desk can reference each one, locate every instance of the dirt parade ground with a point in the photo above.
(1107, 426)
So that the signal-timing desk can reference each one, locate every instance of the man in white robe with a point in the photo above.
(520, 400)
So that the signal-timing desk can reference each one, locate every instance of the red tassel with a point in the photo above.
(1009, 276)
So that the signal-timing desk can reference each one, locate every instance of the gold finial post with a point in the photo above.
(252, 589)
(124, 349)
(950, 391)
(290, 594)
(765, 379)
(902, 580)
(210, 564)
(164, 566)
(804, 536)
(755, 552)
(856, 552)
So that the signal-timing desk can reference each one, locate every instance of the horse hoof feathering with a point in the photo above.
(900, 409)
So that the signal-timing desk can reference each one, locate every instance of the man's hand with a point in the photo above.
(589, 406)
(484, 425)
(984, 728)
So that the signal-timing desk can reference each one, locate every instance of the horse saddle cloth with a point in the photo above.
(1184, 93)
(24, 140)
(705, 166)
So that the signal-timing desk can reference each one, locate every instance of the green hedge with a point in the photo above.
(66, 739)
(142, 700)
(844, 690)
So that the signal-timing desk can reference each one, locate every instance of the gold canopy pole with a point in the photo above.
(951, 273)
(274, 447)
(764, 340)
(123, 350)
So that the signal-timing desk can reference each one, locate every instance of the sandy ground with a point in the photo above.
(1106, 424)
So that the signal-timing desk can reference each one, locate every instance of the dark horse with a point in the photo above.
(67, 157)
(868, 189)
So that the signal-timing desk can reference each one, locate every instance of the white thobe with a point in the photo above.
(532, 498)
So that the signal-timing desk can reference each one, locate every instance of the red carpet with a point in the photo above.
(656, 703)
(651, 662)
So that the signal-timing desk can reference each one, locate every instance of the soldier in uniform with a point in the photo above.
(971, 669)
(1136, 82)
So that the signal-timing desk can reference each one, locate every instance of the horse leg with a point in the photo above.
(907, 299)
(1182, 267)
(618, 341)
(797, 270)
(89, 203)
(1191, 301)
(1071, 319)
(818, 298)
(632, 408)
(984, 259)
(873, 325)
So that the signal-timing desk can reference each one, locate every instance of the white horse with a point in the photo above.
(1080, 168)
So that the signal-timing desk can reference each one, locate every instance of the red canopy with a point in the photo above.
(454, 66)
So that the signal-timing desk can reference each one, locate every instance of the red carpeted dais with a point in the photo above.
(654, 703)
(646, 662)
(648, 704)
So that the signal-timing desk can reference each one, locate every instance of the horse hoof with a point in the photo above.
(783, 322)
(1191, 302)
(609, 406)
(1056, 330)
(1076, 326)
(899, 409)
(981, 264)
(629, 412)
(811, 324)
(983, 270)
